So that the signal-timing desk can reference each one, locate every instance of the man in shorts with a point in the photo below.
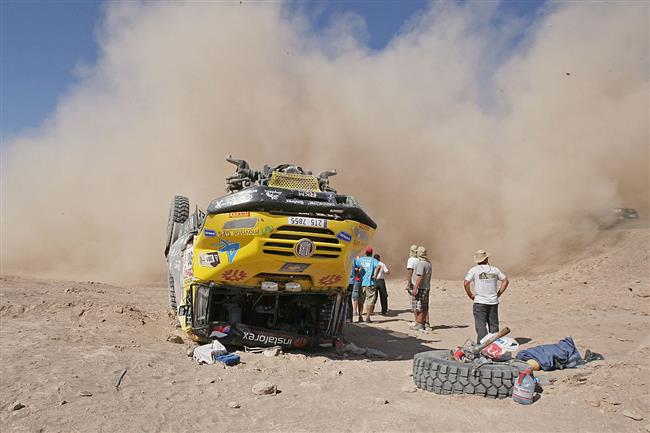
(368, 268)
(486, 300)
(421, 281)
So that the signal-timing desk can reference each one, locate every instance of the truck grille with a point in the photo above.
(283, 240)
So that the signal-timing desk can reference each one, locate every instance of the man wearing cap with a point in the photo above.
(421, 281)
(368, 268)
(486, 300)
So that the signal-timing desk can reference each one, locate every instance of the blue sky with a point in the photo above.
(43, 42)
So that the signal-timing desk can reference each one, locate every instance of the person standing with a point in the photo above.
(357, 293)
(410, 265)
(368, 267)
(351, 281)
(486, 300)
(421, 281)
(381, 284)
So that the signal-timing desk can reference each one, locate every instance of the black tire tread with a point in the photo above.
(180, 209)
(434, 372)
(172, 294)
(179, 212)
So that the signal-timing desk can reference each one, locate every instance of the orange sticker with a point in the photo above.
(234, 275)
(329, 280)
(238, 214)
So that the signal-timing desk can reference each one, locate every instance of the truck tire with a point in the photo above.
(433, 371)
(172, 294)
(179, 211)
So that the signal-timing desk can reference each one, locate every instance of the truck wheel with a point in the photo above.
(172, 294)
(433, 371)
(179, 211)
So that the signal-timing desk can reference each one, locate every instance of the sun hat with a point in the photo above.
(422, 252)
(480, 255)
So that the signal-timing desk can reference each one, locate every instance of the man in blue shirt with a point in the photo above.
(368, 268)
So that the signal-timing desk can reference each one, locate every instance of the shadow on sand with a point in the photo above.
(396, 345)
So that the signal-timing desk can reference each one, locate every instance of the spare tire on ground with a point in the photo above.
(433, 371)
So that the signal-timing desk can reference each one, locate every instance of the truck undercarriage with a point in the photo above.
(261, 318)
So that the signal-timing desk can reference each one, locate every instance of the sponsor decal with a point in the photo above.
(220, 331)
(330, 280)
(188, 273)
(272, 194)
(294, 201)
(294, 267)
(209, 260)
(267, 339)
(245, 232)
(237, 198)
(311, 194)
(238, 214)
(344, 236)
(241, 197)
(209, 233)
(304, 248)
(244, 223)
(234, 275)
(230, 248)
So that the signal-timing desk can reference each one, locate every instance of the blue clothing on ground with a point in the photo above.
(551, 356)
(368, 267)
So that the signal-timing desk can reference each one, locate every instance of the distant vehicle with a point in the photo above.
(615, 216)
(625, 213)
(268, 263)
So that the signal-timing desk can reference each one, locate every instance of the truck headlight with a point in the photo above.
(269, 286)
(293, 287)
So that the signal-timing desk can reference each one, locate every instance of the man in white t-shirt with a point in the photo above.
(486, 300)
(410, 266)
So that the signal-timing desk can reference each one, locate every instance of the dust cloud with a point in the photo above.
(458, 135)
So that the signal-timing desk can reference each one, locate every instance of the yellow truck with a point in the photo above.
(268, 263)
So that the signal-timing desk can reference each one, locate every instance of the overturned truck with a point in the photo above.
(268, 263)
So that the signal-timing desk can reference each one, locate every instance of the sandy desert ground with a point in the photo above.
(64, 343)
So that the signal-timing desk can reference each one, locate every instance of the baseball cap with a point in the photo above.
(368, 250)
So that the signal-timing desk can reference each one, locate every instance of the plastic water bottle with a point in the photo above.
(524, 389)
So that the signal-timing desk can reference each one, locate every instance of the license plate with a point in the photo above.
(309, 222)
